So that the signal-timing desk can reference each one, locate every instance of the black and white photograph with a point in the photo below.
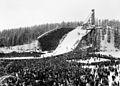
(59, 42)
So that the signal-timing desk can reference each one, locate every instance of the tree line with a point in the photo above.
(115, 24)
(22, 35)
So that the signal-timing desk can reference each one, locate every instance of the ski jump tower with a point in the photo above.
(101, 38)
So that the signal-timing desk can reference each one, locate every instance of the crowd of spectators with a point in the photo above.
(56, 71)
(99, 76)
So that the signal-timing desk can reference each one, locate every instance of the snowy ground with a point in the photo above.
(91, 60)
(20, 48)
(115, 54)
(20, 58)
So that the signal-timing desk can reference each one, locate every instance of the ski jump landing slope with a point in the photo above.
(69, 41)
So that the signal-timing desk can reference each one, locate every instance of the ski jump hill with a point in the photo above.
(62, 40)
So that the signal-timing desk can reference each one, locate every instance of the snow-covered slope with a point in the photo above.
(70, 41)
(20, 48)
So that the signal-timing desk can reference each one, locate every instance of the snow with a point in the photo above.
(91, 60)
(104, 44)
(107, 46)
(20, 58)
(71, 41)
(89, 66)
(46, 55)
(20, 48)
(115, 54)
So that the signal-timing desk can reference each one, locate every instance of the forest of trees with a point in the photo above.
(115, 24)
(24, 35)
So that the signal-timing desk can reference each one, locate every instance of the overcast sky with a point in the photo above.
(21, 13)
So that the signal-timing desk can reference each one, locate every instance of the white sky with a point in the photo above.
(21, 13)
